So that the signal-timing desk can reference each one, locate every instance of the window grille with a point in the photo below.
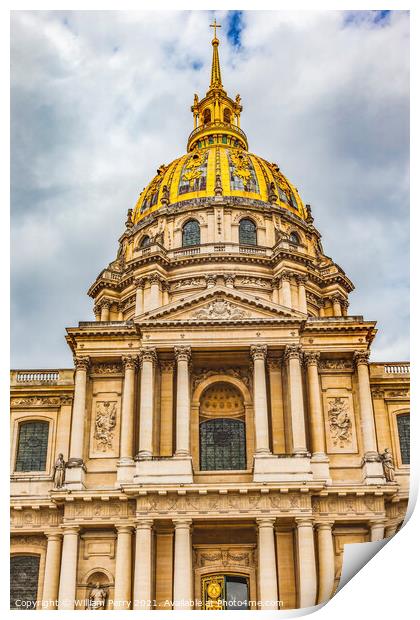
(32, 446)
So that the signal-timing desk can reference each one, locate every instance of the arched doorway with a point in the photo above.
(222, 429)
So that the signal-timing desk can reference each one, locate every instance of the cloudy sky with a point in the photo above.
(100, 99)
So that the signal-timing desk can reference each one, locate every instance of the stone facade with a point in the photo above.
(257, 335)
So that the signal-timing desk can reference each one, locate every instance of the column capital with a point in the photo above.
(211, 280)
(139, 282)
(53, 535)
(148, 354)
(182, 524)
(311, 358)
(124, 529)
(301, 278)
(144, 524)
(361, 357)
(304, 522)
(229, 279)
(155, 278)
(377, 522)
(274, 363)
(81, 363)
(293, 351)
(324, 525)
(259, 352)
(265, 521)
(167, 365)
(130, 362)
(286, 275)
(182, 353)
(70, 529)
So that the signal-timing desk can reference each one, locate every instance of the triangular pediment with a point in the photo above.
(221, 304)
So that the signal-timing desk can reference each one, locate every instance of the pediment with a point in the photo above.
(221, 304)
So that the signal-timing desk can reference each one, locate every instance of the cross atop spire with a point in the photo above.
(216, 76)
(215, 25)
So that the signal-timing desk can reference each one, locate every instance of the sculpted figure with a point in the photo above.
(97, 597)
(59, 472)
(388, 465)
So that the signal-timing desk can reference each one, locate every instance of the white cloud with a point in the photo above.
(100, 99)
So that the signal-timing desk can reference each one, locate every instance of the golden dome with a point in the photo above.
(231, 171)
(218, 161)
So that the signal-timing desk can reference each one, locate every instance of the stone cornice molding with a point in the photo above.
(258, 352)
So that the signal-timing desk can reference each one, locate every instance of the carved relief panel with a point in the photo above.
(105, 425)
(339, 420)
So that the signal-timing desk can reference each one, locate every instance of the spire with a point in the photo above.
(216, 76)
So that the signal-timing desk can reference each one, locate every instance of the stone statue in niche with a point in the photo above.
(388, 465)
(339, 421)
(97, 597)
(59, 472)
(105, 422)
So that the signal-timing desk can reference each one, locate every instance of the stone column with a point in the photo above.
(105, 305)
(122, 591)
(148, 358)
(377, 530)
(142, 587)
(258, 354)
(267, 566)
(361, 359)
(301, 280)
(155, 297)
(97, 312)
(166, 407)
(321, 308)
(68, 571)
(228, 224)
(79, 412)
(52, 570)
(139, 296)
(391, 530)
(127, 411)
(276, 399)
(293, 357)
(183, 356)
(306, 563)
(344, 307)
(286, 293)
(165, 293)
(325, 561)
(275, 293)
(183, 577)
(316, 418)
(336, 304)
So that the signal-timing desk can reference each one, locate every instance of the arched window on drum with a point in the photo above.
(247, 232)
(190, 233)
(222, 429)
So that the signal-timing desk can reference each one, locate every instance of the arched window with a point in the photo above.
(403, 424)
(222, 444)
(247, 232)
(294, 238)
(207, 116)
(145, 242)
(24, 574)
(32, 446)
(226, 115)
(191, 233)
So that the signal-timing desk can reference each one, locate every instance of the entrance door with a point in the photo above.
(225, 592)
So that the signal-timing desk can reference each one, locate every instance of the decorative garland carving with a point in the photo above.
(106, 368)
